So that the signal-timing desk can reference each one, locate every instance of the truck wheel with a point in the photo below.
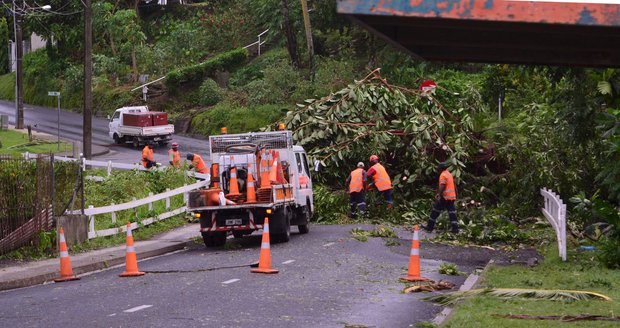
(117, 140)
(305, 218)
(136, 142)
(282, 225)
(214, 239)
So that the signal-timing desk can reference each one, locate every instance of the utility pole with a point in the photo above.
(88, 79)
(19, 73)
(308, 28)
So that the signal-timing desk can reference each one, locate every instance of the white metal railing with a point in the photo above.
(555, 212)
(109, 165)
(258, 43)
(91, 211)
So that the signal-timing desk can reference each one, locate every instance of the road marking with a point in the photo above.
(111, 315)
(288, 262)
(138, 308)
(230, 281)
(328, 244)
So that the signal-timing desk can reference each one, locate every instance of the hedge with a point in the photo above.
(196, 73)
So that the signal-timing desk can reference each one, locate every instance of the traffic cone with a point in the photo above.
(250, 189)
(131, 259)
(413, 274)
(233, 186)
(264, 170)
(66, 272)
(264, 261)
(273, 173)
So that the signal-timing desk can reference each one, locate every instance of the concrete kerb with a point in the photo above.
(470, 283)
(49, 272)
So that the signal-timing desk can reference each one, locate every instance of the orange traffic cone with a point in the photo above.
(413, 274)
(215, 175)
(250, 189)
(273, 173)
(264, 261)
(264, 170)
(233, 188)
(66, 272)
(131, 260)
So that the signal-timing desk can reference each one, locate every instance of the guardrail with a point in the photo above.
(555, 212)
(92, 211)
(258, 43)
(109, 165)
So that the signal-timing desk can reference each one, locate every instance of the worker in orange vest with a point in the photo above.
(381, 180)
(174, 155)
(356, 187)
(197, 163)
(446, 197)
(147, 155)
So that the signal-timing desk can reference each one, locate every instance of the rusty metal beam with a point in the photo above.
(548, 12)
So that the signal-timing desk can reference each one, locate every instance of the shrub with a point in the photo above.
(236, 119)
(209, 93)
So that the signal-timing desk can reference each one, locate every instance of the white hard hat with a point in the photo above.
(360, 164)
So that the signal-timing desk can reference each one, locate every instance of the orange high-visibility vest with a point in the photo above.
(199, 164)
(357, 180)
(381, 178)
(446, 179)
(147, 155)
(175, 157)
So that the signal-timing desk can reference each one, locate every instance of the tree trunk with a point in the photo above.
(291, 40)
(134, 64)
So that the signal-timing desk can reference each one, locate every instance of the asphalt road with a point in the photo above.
(45, 119)
(326, 279)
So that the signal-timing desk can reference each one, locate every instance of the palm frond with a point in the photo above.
(542, 294)
(604, 87)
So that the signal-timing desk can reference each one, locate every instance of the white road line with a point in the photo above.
(328, 244)
(138, 308)
(111, 315)
(288, 262)
(230, 281)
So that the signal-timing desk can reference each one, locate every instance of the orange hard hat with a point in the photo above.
(374, 158)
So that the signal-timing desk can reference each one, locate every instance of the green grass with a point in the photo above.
(15, 143)
(581, 272)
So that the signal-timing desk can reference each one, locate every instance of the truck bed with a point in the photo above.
(146, 131)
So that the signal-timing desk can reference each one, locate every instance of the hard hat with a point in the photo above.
(360, 164)
(374, 158)
(190, 157)
(175, 145)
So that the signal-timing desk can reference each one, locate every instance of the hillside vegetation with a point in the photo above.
(506, 131)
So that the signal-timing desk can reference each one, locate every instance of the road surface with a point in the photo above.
(45, 119)
(326, 279)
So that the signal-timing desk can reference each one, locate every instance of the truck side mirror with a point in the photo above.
(317, 165)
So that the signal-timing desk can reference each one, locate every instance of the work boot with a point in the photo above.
(427, 228)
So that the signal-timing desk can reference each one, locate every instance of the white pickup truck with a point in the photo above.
(123, 132)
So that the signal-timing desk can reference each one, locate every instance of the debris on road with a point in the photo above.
(430, 286)
(564, 318)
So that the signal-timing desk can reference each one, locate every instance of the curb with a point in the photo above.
(469, 283)
(90, 267)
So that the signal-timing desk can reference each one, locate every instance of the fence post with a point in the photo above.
(109, 168)
(167, 200)
(563, 230)
(91, 221)
(151, 203)
(185, 195)
(113, 215)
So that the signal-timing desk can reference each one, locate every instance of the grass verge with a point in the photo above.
(581, 272)
(15, 143)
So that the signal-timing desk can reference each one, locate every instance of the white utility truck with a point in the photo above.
(137, 125)
(254, 176)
